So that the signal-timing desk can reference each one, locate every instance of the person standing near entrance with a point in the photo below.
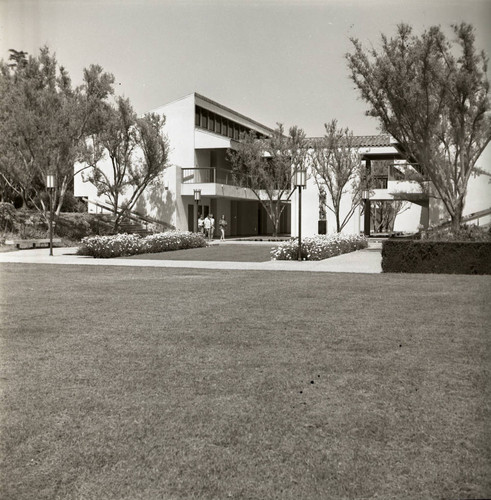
(207, 226)
(222, 224)
(201, 224)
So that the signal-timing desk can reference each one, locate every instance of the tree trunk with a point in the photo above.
(116, 218)
(275, 227)
(457, 215)
(456, 221)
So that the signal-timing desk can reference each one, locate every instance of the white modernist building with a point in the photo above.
(202, 131)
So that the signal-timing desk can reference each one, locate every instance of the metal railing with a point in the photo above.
(207, 175)
(217, 176)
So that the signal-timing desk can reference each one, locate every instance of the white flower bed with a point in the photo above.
(319, 247)
(132, 244)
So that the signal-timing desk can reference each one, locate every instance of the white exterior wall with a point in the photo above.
(84, 189)
(407, 221)
(179, 128)
(310, 209)
(190, 147)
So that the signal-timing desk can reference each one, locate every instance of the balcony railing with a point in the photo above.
(207, 175)
(217, 176)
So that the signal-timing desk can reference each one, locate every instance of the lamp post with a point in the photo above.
(300, 182)
(50, 186)
(365, 196)
(197, 198)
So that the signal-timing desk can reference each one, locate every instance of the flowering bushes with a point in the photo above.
(172, 240)
(319, 247)
(132, 244)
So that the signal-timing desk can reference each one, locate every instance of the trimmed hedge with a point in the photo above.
(441, 257)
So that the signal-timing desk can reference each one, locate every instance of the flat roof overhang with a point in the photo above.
(209, 140)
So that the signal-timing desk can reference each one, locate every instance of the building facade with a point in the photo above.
(201, 132)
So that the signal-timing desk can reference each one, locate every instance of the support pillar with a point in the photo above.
(366, 220)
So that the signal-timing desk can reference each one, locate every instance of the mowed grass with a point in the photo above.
(216, 252)
(151, 383)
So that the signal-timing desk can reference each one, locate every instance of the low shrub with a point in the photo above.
(319, 247)
(27, 224)
(467, 232)
(7, 216)
(172, 240)
(110, 246)
(30, 224)
(423, 256)
(132, 244)
(76, 226)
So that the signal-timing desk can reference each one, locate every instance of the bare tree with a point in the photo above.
(384, 214)
(336, 166)
(137, 153)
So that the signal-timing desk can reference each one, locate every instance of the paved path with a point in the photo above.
(362, 261)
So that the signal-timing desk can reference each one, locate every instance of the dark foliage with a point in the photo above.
(75, 226)
(442, 257)
(468, 232)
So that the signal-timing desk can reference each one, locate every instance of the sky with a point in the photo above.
(276, 61)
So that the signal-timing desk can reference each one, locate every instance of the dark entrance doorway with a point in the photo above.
(202, 209)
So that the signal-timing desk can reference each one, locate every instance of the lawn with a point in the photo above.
(225, 252)
(151, 383)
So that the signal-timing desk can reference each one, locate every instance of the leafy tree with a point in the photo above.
(267, 165)
(137, 152)
(44, 123)
(336, 167)
(431, 95)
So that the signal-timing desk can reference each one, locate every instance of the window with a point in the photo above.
(204, 119)
(380, 173)
(219, 125)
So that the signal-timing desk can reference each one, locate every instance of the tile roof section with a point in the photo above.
(372, 140)
(365, 141)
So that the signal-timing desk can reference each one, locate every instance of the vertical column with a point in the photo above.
(366, 220)
(195, 211)
(299, 222)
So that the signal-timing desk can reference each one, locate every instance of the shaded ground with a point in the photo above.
(227, 253)
(146, 383)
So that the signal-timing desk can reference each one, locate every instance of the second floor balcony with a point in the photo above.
(213, 182)
(207, 175)
(217, 182)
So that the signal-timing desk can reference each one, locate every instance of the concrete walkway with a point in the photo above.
(362, 261)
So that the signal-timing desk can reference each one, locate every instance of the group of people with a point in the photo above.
(206, 226)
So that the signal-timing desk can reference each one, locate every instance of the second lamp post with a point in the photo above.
(300, 182)
(51, 185)
(197, 198)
